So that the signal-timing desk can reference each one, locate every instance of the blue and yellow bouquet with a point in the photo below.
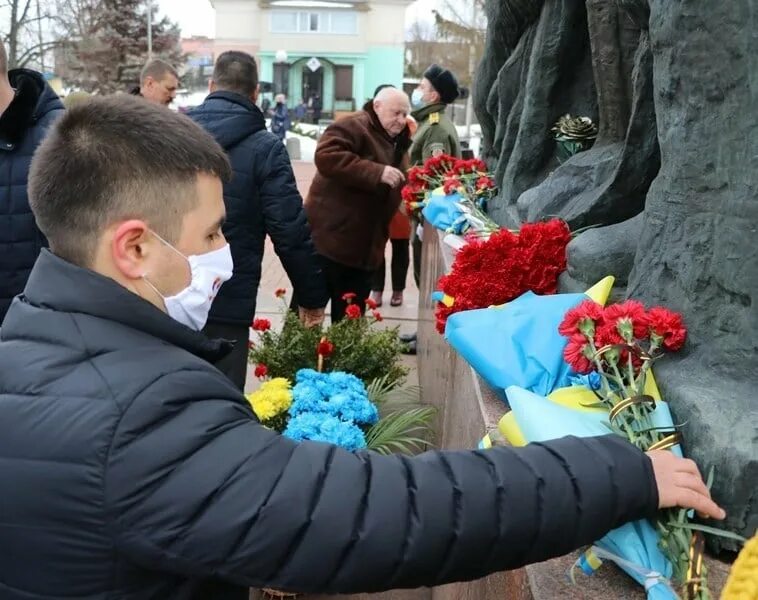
(337, 408)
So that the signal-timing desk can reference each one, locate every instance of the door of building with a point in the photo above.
(313, 83)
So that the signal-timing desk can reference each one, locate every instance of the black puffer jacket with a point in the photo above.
(261, 198)
(134, 469)
(23, 126)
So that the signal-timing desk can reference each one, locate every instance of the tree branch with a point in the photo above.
(35, 51)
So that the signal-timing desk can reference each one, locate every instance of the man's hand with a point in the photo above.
(680, 484)
(392, 177)
(311, 317)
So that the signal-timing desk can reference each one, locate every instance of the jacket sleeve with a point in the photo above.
(286, 223)
(337, 156)
(196, 487)
(437, 140)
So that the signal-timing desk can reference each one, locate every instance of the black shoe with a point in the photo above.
(407, 338)
(410, 347)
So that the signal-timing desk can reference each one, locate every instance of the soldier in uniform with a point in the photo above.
(436, 135)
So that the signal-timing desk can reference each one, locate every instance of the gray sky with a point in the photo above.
(195, 17)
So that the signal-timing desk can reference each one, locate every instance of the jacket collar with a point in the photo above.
(235, 99)
(423, 112)
(33, 98)
(61, 286)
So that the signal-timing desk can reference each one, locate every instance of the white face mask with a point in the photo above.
(209, 271)
(417, 98)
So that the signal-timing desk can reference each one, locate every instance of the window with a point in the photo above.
(284, 21)
(281, 78)
(343, 82)
(342, 22)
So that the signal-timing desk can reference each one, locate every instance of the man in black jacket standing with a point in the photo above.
(261, 199)
(28, 106)
(137, 470)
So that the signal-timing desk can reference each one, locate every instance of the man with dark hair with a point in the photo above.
(262, 199)
(135, 469)
(28, 106)
(158, 82)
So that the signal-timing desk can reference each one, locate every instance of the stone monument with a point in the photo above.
(670, 185)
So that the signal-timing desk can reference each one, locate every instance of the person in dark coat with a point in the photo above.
(28, 106)
(356, 193)
(280, 118)
(261, 199)
(135, 469)
(158, 82)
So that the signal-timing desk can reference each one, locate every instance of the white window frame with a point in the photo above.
(324, 22)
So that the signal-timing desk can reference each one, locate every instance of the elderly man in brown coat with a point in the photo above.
(356, 192)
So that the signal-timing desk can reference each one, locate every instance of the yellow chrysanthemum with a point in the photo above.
(272, 399)
(742, 583)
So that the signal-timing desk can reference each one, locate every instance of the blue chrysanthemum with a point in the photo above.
(320, 427)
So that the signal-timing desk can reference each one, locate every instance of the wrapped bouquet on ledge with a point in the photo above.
(493, 271)
(452, 194)
(568, 365)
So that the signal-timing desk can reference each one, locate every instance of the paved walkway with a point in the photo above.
(273, 277)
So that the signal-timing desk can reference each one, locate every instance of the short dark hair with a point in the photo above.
(236, 72)
(113, 158)
(157, 69)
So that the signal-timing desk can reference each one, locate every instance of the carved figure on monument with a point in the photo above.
(671, 185)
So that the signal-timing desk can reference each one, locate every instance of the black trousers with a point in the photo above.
(417, 247)
(341, 280)
(399, 268)
(234, 365)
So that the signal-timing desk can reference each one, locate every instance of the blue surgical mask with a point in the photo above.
(417, 98)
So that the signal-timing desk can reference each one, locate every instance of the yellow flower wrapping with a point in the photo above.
(742, 583)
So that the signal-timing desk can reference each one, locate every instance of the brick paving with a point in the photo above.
(273, 277)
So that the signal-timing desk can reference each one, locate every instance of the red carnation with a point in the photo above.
(608, 334)
(583, 319)
(353, 311)
(261, 371)
(484, 182)
(578, 354)
(261, 324)
(325, 348)
(451, 185)
(280, 292)
(348, 297)
(629, 318)
(377, 315)
(666, 328)
(371, 303)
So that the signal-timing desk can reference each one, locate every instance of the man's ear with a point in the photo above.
(212, 87)
(256, 93)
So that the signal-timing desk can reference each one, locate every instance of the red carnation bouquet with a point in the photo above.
(497, 270)
(617, 345)
(469, 178)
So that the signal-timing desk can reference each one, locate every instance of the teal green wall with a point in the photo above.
(384, 64)
(381, 64)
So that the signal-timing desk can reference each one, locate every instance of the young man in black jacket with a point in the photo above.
(139, 471)
(261, 199)
(28, 106)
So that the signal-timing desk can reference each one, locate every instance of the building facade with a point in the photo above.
(335, 51)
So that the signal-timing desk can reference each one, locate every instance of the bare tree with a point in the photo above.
(24, 39)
